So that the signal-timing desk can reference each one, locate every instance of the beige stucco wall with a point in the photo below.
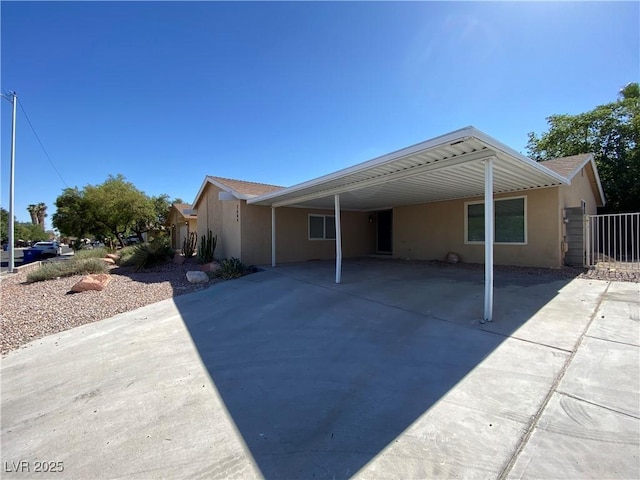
(429, 231)
(255, 234)
(582, 187)
(229, 237)
(292, 236)
(220, 218)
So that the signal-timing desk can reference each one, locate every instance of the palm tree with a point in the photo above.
(33, 211)
(41, 213)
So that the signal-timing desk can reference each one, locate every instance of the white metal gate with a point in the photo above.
(613, 241)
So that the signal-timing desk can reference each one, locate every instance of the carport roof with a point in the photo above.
(446, 167)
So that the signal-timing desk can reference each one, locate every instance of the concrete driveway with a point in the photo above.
(285, 375)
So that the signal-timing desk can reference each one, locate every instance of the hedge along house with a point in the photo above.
(181, 220)
(416, 203)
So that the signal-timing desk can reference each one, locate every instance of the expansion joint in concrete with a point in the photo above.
(554, 388)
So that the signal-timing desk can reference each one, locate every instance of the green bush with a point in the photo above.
(67, 268)
(207, 247)
(146, 254)
(231, 268)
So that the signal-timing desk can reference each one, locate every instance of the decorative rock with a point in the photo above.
(195, 276)
(112, 256)
(96, 281)
(108, 261)
(452, 258)
(210, 267)
(178, 259)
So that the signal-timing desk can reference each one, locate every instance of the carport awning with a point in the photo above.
(447, 167)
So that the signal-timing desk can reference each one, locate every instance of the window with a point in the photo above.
(322, 227)
(510, 221)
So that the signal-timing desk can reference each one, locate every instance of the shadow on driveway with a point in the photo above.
(322, 379)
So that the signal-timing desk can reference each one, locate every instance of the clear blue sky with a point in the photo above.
(166, 93)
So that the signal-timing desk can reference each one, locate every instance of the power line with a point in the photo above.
(40, 142)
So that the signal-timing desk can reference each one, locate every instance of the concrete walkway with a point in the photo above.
(285, 375)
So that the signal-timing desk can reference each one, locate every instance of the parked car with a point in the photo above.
(48, 248)
(132, 240)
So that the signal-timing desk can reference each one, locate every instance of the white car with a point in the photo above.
(48, 248)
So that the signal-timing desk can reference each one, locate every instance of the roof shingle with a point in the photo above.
(566, 166)
(247, 188)
(181, 207)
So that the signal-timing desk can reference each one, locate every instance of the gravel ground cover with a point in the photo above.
(32, 310)
(619, 274)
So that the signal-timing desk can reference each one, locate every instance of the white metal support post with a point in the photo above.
(273, 236)
(338, 240)
(11, 183)
(489, 226)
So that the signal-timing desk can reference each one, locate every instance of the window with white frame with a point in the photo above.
(510, 221)
(322, 227)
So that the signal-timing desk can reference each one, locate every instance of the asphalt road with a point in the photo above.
(19, 256)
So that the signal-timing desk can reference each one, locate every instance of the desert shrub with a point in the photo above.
(93, 253)
(207, 247)
(231, 268)
(146, 254)
(67, 268)
(125, 254)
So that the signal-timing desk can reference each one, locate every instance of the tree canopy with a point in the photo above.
(112, 208)
(4, 225)
(612, 133)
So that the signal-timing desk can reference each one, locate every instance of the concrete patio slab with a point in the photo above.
(605, 373)
(618, 317)
(576, 439)
(286, 375)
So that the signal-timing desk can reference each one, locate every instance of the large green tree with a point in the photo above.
(72, 214)
(612, 133)
(160, 210)
(110, 209)
(29, 232)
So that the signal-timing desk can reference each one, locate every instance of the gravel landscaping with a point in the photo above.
(33, 310)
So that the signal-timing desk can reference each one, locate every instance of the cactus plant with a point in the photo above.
(207, 247)
(189, 245)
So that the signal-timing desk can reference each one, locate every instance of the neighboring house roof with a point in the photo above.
(239, 189)
(568, 167)
(185, 210)
(443, 168)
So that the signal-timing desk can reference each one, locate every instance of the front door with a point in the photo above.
(384, 232)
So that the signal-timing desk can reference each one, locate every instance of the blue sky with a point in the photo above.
(166, 92)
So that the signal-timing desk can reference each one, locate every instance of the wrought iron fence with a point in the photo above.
(613, 240)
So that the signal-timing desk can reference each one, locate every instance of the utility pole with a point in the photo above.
(14, 101)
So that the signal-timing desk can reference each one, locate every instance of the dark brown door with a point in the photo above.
(384, 231)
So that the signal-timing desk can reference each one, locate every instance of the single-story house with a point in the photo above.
(181, 220)
(419, 203)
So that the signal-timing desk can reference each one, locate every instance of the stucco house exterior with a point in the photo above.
(418, 203)
(181, 220)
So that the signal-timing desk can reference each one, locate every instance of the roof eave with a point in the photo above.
(497, 145)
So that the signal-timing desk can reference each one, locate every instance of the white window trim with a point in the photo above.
(324, 227)
(476, 202)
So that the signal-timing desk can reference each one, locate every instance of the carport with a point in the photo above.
(461, 164)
